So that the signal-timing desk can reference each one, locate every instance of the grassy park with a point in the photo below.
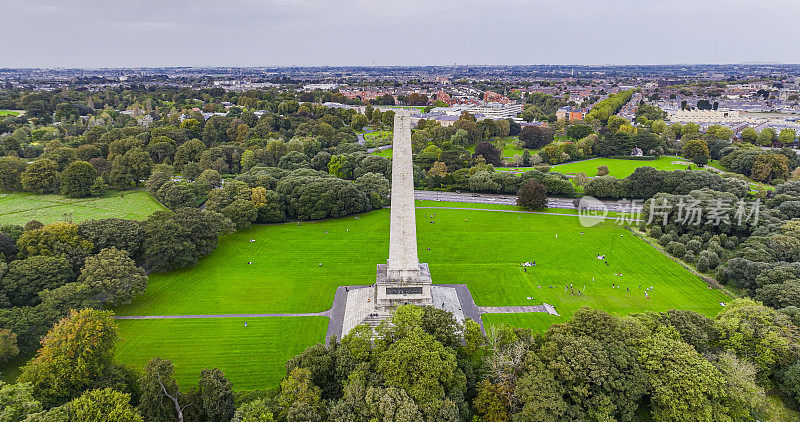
(483, 249)
(251, 358)
(21, 207)
(621, 168)
(378, 138)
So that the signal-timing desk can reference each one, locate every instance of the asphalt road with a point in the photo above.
(487, 198)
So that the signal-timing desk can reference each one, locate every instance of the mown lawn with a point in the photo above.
(251, 357)
(21, 207)
(384, 153)
(378, 138)
(9, 113)
(620, 168)
(483, 249)
(509, 149)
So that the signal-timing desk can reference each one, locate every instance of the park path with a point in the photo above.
(336, 313)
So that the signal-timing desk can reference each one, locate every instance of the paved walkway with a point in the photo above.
(336, 313)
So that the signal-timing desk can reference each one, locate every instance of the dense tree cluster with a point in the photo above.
(47, 270)
(603, 110)
(646, 182)
(423, 365)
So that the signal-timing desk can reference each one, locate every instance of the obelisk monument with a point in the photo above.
(403, 280)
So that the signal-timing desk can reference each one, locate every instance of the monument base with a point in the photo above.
(391, 293)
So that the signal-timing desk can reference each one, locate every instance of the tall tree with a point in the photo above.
(74, 356)
(216, 393)
(77, 179)
(113, 277)
(41, 176)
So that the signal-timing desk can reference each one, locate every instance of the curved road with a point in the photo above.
(486, 198)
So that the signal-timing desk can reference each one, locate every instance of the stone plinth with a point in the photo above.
(390, 292)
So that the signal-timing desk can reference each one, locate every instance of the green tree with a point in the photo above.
(74, 355)
(57, 239)
(161, 398)
(685, 386)
(77, 179)
(216, 392)
(106, 405)
(376, 187)
(419, 364)
(98, 188)
(749, 135)
(770, 167)
(242, 212)
(25, 278)
(254, 411)
(758, 333)
(695, 148)
(11, 170)
(298, 391)
(787, 136)
(532, 195)
(113, 277)
(766, 137)
(8, 345)
(41, 176)
(17, 402)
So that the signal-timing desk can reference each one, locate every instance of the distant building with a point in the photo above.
(705, 116)
(493, 97)
(571, 113)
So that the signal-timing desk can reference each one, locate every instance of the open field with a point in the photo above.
(21, 207)
(378, 138)
(482, 249)
(620, 168)
(251, 357)
(9, 113)
(509, 149)
(384, 153)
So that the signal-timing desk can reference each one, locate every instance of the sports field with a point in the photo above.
(21, 207)
(483, 249)
(621, 168)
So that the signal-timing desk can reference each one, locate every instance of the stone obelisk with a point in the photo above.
(403, 280)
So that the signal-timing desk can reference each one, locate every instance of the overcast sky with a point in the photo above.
(109, 33)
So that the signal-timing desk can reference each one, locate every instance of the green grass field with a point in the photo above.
(618, 167)
(21, 207)
(9, 113)
(509, 149)
(482, 249)
(378, 138)
(384, 153)
(251, 357)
